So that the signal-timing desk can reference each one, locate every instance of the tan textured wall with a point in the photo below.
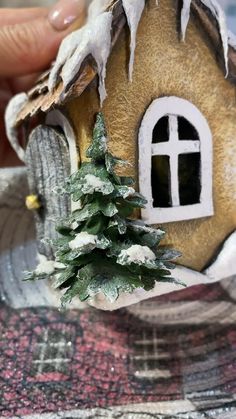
(165, 66)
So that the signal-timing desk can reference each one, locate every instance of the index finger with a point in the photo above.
(10, 16)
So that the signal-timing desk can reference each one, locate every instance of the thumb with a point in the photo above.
(30, 47)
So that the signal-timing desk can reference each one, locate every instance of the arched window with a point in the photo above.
(175, 162)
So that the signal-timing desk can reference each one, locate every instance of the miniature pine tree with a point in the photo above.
(100, 249)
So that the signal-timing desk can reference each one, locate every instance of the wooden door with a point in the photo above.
(48, 163)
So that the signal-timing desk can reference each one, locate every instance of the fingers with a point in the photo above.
(22, 84)
(29, 47)
(65, 12)
(11, 17)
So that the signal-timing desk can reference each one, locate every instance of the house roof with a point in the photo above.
(84, 53)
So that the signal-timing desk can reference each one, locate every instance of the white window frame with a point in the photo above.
(57, 118)
(175, 107)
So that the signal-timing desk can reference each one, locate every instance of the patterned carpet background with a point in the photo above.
(88, 360)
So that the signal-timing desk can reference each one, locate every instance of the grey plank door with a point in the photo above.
(48, 164)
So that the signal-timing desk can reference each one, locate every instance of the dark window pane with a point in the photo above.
(161, 131)
(161, 181)
(189, 178)
(186, 130)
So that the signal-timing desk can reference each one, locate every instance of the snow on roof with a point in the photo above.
(73, 69)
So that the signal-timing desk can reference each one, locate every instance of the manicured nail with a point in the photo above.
(65, 12)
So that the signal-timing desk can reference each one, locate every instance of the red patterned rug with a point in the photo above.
(94, 364)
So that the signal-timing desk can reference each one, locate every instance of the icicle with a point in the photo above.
(185, 15)
(94, 39)
(14, 107)
(133, 10)
(219, 15)
(97, 7)
(79, 44)
(66, 50)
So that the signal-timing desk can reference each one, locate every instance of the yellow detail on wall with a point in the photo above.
(32, 202)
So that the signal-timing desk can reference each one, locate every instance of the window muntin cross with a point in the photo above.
(148, 356)
(175, 108)
(173, 148)
(53, 352)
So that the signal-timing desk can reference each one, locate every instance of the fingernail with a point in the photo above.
(65, 12)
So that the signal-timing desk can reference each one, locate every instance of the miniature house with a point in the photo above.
(175, 121)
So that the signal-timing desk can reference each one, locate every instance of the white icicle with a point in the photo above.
(133, 10)
(185, 15)
(97, 7)
(74, 40)
(66, 50)
(95, 39)
(13, 108)
(219, 15)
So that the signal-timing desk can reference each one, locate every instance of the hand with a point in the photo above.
(29, 41)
